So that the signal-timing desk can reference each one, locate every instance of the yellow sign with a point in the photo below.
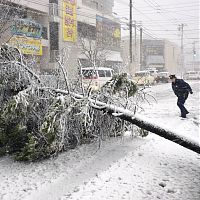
(69, 21)
(27, 46)
(117, 33)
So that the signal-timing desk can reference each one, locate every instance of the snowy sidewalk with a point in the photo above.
(150, 168)
(158, 170)
(50, 179)
(165, 111)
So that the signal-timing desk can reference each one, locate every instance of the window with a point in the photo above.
(91, 3)
(140, 74)
(53, 9)
(89, 73)
(44, 33)
(53, 1)
(86, 30)
(101, 73)
(108, 73)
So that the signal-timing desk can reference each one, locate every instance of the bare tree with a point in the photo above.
(87, 43)
(9, 13)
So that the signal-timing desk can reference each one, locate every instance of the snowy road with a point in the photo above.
(166, 113)
(149, 168)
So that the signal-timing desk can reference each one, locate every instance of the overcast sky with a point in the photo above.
(161, 18)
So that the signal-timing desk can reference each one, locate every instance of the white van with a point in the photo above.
(96, 78)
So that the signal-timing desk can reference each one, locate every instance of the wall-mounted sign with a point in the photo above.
(27, 45)
(108, 32)
(28, 28)
(69, 21)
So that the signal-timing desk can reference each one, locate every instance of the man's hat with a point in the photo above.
(172, 76)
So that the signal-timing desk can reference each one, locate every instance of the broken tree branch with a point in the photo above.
(129, 116)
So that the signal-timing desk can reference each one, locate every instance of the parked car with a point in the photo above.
(96, 78)
(153, 72)
(162, 77)
(192, 75)
(143, 78)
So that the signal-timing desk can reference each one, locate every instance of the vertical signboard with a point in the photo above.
(69, 21)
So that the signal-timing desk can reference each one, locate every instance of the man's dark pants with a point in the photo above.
(181, 100)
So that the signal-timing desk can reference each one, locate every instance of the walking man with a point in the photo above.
(181, 90)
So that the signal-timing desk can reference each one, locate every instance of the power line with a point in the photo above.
(173, 30)
(166, 5)
(47, 5)
(80, 13)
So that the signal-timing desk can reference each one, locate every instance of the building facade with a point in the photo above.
(53, 29)
(160, 54)
(27, 28)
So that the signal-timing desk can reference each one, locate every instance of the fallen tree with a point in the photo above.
(130, 116)
(38, 121)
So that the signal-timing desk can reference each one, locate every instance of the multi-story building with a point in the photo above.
(95, 16)
(100, 5)
(160, 54)
(53, 29)
(27, 27)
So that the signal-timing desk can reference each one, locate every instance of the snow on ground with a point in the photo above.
(158, 170)
(166, 113)
(128, 168)
(52, 178)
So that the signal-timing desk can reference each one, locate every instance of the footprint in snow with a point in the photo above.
(162, 184)
(149, 192)
(85, 182)
(76, 189)
(171, 191)
(140, 154)
(165, 179)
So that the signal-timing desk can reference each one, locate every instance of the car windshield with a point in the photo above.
(140, 74)
(108, 73)
(89, 73)
(101, 73)
(163, 73)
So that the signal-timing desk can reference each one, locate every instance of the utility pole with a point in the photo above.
(131, 33)
(194, 55)
(135, 41)
(181, 28)
(140, 48)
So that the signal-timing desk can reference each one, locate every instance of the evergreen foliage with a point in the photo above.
(121, 83)
(36, 122)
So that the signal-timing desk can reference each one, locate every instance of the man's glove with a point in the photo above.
(191, 92)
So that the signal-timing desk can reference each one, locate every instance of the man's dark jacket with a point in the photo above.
(181, 88)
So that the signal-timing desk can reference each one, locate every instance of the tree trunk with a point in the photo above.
(129, 116)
